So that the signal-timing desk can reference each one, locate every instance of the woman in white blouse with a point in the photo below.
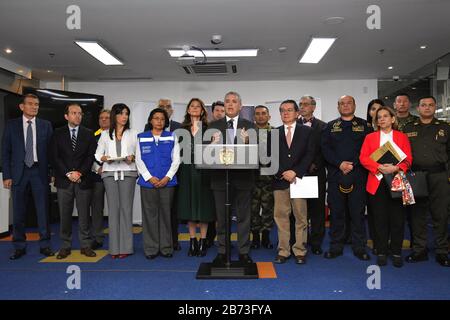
(116, 150)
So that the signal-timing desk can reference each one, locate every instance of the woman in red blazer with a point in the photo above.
(389, 214)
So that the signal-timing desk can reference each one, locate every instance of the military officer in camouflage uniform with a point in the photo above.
(402, 105)
(262, 201)
(430, 142)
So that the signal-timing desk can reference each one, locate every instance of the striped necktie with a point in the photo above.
(74, 139)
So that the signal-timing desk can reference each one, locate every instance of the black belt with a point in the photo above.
(433, 169)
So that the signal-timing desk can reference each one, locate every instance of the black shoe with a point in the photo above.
(47, 252)
(202, 248)
(316, 250)
(166, 255)
(63, 253)
(362, 255)
(443, 260)
(88, 252)
(176, 246)
(151, 256)
(193, 247)
(18, 253)
(265, 241)
(245, 258)
(96, 245)
(397, 261)
(220, 259)
(416, 257)
(382, 260)
(332, 254)
(280, 259)
(256, 241)
(300, 259)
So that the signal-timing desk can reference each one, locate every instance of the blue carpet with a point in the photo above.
(138, 278)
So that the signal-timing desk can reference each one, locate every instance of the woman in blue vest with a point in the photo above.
(157, 160)
(195, 199)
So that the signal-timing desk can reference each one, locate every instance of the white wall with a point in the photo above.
(252, 92)
(139, 94)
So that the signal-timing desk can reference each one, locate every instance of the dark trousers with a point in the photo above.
(97, 207)
(389, 221)
(355, 203)
(174, 217)
(39, 191)
(243, 213)
(316, 214)
(66, 199)
(437, 205)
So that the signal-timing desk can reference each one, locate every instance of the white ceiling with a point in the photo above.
(140, 31)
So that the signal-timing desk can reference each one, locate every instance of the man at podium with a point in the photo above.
(233, 130)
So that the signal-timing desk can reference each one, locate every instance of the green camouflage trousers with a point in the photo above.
(262, 199)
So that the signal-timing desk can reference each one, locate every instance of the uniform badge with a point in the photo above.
(336, 127)
(358, 128)
(411, 134)
(441, 133)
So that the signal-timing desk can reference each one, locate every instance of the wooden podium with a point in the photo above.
(227, 157)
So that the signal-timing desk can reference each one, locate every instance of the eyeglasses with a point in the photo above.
(166, 106)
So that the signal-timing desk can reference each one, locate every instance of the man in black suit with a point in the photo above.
(316, 207)
(233, 130)
(71, 155)
(24, 149)
(296, 152)
(166, 104)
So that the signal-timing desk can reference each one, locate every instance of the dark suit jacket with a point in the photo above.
(318, 164)
(64, 159)
(298, 157)
(243, 179)
(173, 126)
(13, 149)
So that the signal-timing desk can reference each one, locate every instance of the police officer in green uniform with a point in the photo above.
(402, 105)
(262, 200)
(341, 144)
(430, 142)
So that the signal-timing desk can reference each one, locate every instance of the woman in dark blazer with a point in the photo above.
(389, 214)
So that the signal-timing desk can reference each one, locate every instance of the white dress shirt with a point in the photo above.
(33, 128)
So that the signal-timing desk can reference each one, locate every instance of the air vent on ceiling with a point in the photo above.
(210, 69)
(125, 78)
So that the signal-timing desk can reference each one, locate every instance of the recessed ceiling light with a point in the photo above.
(334, 20)
(413, 88)
(20, 71)
(386, 98)
(176, 53)
(49, 71)
(282, 49)
(390, 67)
(8, 50)
(423, 47)
(99, 53)
(317, 48)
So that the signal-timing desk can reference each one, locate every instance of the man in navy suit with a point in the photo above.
(24, 149)
(296, 153)
(233, 130)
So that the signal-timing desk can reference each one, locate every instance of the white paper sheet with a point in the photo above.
(305, 188)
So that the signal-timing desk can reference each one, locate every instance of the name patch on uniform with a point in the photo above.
(411, 134)
(146, 139)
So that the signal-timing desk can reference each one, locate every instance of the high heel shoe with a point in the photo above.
(203, 247)
(193, 247)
